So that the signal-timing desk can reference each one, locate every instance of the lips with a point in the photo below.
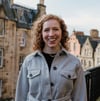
(52, 39)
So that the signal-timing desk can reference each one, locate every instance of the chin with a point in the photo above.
(52, 46)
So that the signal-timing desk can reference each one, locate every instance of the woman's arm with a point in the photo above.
(79, 91)
(22, 84)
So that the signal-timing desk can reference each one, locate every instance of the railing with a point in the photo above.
(93, 83)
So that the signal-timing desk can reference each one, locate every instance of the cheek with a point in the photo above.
(44, 36)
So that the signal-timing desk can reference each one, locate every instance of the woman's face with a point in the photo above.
(51, 33)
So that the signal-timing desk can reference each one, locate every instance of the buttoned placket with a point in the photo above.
(45, 82)
(50, 78)
(53, 74)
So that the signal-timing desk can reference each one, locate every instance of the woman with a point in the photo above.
(51, 73)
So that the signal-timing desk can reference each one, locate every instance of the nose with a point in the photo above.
(51, 33)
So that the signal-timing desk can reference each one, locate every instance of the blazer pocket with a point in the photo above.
(68, 74)
(33, 73)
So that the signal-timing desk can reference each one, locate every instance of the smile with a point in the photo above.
(51, 39)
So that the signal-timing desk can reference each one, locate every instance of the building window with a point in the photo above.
(90, 64)
(98, 50)
(74, 47)
(84, 62)
(23, 40)
(1, 57)
(0, 88)
(1, 27)
(21, 59)
(21, 15)
(98, 60)
(87, 52)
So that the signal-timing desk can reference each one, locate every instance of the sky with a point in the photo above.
(79, 15)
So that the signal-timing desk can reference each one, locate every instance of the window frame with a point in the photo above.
(0, 88)
(2, 27)
(21, 59)
(23, 39)
(1, 58)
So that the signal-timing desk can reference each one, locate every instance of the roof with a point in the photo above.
(7, 9)
(81, 39)
(94, 43)
(23, 16)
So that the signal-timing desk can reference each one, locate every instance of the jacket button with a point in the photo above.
(30, 75)
(52, 84)
(69, 76)
(54, 68)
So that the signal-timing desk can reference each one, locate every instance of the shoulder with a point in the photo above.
(31, 56)
(75, 63)
(74, 60)
(70, 56)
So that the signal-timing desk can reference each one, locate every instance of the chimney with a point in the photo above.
(42, 2)
(78, 32)
(41, 8)
(94, 33)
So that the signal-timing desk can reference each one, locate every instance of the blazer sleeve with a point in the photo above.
(22, 84)
(79, 91)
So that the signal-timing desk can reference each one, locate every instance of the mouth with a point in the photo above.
(52, 39)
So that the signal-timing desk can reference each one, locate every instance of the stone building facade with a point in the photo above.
(15, 34)
(86, 48)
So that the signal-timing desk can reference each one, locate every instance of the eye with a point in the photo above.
(46, 30)
(55, 29)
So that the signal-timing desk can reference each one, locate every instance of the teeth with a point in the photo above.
(52, 39)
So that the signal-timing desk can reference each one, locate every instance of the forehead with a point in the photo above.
(51, 22)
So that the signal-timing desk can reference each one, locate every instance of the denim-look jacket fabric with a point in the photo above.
(64, 82)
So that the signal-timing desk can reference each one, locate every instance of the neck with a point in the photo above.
(51, 50)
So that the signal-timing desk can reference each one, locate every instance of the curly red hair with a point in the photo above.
(38, 42)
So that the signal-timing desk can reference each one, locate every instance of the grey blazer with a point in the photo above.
(64, 82)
